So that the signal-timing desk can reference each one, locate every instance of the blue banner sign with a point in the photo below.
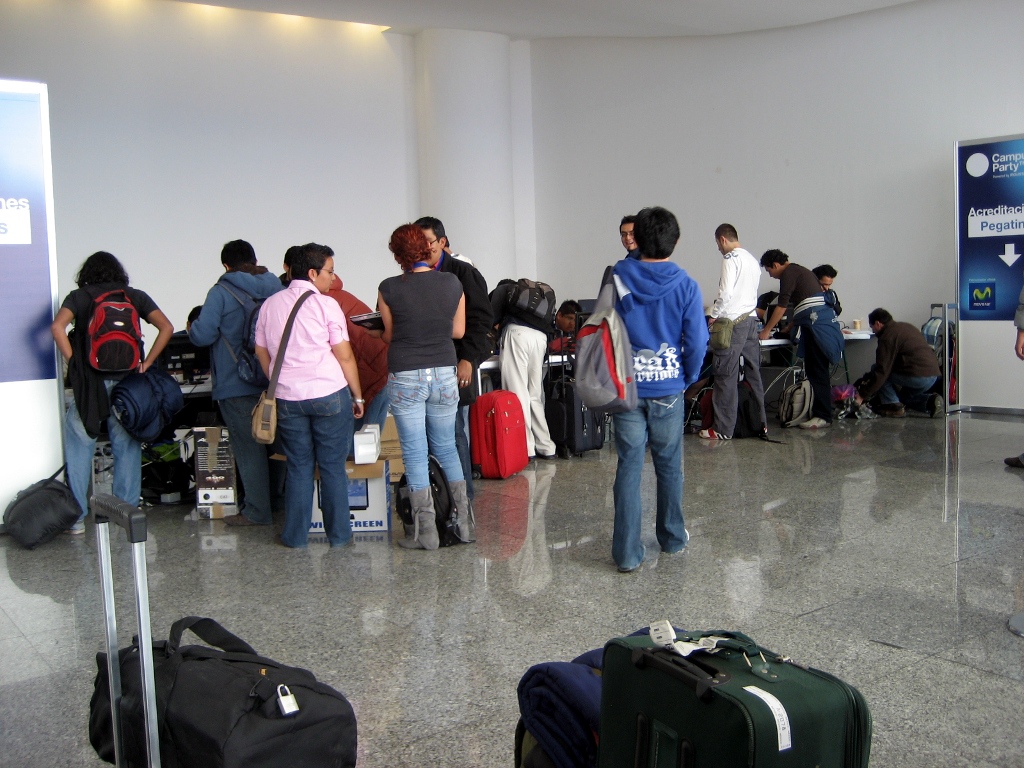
(26, 286)
(990, 227)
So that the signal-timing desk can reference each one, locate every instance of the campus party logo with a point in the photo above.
(15, 221)
(1002, 164)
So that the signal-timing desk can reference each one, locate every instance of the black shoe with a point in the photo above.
(241, 520)
(547, 456)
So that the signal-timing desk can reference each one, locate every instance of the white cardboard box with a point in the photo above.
(366, 444)
(369, 498)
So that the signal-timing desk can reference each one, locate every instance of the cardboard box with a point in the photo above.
(390, 433)
(215, 473)
(369, 498)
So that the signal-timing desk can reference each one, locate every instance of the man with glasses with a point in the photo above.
(626, 236)
(905, 369)
(474, 347)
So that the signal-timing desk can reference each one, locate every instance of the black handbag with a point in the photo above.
(224, 706)
(41, 512)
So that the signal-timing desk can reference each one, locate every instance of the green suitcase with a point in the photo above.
(737, 705)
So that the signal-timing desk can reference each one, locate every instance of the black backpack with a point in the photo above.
(444, 507)
(249, 369)
(113, 341)
(748, 415)
(532, 302)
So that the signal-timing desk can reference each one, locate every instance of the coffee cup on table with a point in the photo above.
(856, 325)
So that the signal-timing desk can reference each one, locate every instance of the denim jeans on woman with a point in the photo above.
(78, 452)
(657, 422)
(424, 403)
(316, 433)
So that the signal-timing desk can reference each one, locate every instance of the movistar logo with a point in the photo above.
(981, 294)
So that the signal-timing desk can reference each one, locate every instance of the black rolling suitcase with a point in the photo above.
(728, 703)
(574, 427)
(117, 738)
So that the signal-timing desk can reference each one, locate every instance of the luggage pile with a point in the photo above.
(671, 698)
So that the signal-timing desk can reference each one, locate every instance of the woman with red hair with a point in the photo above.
(423, 311)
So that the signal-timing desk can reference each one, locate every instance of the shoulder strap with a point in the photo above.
(209, 631)
(241, 302)
(234, 295)
(275, 374)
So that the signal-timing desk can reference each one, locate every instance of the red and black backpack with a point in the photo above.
(113, 342)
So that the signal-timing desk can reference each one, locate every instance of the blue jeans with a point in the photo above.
(316, 433)
(79, 449)
(463, 446)
(913, 390)
(250, 457)
(657, 422)
(424, 403)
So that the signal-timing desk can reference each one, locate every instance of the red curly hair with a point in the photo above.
(409, 244)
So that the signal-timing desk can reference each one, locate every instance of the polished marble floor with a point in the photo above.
(888, 552)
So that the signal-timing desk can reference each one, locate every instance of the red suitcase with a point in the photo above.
(498, 434)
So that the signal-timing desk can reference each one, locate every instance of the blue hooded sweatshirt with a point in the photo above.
(664, 314)
(223, 317)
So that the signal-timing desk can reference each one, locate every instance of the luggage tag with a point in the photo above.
(663, 635)
(286, 701)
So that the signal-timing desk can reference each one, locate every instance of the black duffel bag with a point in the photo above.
(41, 512)
(223, 707)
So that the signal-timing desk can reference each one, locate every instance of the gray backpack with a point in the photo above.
(604, 359)
(795, 404)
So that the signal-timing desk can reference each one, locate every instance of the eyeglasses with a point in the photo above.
(624, 235)
(328, 271)
(431, 242)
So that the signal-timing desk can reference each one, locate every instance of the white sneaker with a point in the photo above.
(816, 423)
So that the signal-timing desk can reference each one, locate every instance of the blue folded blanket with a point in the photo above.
(560, 702)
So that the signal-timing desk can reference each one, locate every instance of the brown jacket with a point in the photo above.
(371, 353)
(901, 349)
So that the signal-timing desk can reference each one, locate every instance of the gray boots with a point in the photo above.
(424, 532)
(463, 511)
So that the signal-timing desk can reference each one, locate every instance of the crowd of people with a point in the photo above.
(438, 324)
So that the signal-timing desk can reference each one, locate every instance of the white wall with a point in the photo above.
(831, 141)
(177, 127)
(464, 121)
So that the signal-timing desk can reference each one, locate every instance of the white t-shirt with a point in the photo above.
(737, 287)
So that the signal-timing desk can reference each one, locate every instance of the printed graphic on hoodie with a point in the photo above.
(664, 364)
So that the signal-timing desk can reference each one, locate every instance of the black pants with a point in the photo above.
(818, 373)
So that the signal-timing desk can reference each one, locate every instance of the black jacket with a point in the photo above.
(474, 345)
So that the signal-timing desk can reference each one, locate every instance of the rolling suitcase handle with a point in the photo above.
(693, 675)
(111, 509)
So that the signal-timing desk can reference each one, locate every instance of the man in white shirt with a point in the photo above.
(737, 299)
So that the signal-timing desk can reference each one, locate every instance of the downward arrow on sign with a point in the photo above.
(1008, 255)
